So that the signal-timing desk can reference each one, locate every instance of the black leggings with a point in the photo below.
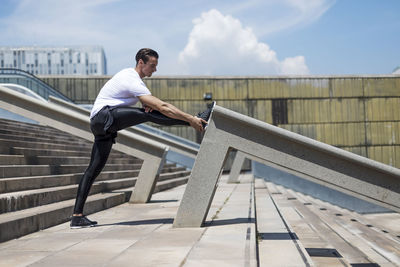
(105, 125)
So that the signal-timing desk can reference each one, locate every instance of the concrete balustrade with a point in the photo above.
(152, 153)
(318, 162)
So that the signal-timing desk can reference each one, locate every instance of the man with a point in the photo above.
(112, 112)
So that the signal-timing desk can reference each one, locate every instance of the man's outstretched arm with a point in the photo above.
(171, 111)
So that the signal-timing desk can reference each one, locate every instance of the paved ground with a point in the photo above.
(292, 230)
(142, 235)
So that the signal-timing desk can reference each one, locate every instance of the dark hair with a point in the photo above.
(144, 55)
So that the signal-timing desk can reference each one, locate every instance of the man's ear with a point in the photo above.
(139, 62)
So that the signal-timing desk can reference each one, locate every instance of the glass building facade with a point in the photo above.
(77, 60)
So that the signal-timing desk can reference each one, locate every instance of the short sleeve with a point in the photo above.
(141, 89)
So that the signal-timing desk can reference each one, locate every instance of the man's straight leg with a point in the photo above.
(100, 152)
(125, 117)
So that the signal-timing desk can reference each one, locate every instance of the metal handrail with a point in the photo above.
(31, 81)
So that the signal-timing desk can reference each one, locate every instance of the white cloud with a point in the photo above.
(294, 65)
(214, 35)
(308, 11)
(280, 15)
(220, 45)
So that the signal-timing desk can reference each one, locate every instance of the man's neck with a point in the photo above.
(139, 72)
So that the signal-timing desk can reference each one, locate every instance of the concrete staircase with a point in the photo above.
(329, 235)
(40, 168)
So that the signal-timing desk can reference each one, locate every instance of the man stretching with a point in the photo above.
(112, 112)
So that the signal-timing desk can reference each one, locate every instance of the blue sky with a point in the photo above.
(254, 37)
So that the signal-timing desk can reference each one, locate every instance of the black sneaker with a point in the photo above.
(81, 222)
(92, 222)
(205, 115)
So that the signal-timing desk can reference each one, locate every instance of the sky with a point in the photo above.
(222, 38)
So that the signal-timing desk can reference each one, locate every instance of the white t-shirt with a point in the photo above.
(122, 89)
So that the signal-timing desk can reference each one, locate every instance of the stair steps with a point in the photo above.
(334, 236)
(40, 169)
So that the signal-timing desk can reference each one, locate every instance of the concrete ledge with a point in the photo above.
(152, 153)
(279, 148)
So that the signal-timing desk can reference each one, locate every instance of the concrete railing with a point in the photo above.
(173, 145)
(318, 162)
(152, 153)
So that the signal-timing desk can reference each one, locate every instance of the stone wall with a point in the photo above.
(357, 113)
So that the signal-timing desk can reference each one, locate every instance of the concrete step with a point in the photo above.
(8, 171)
(38, 131)
(12, 159)
(305, 233)
(387, 223)
(171, 168)
(278, 244)
(32, 198)
(171, 175)
(54, 140)
(26, 125)
(59, 160)
(10, 146)
(8, 185)
(360, 231)
(14, 184)
(5, 146)
(23, 125)
(336, 232)
(27, 151)
(171, 183)
(57, 152)
(41, 134)
(36, 128)
(19, 223)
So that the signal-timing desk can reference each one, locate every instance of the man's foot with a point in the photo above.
(205, 115)
(92, 222)
(81, 222)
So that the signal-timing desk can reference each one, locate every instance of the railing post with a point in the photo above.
(147, 179)
(203, 180)
(236, 167)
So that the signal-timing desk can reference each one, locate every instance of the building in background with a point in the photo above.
(74, 60)
(396, 70)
